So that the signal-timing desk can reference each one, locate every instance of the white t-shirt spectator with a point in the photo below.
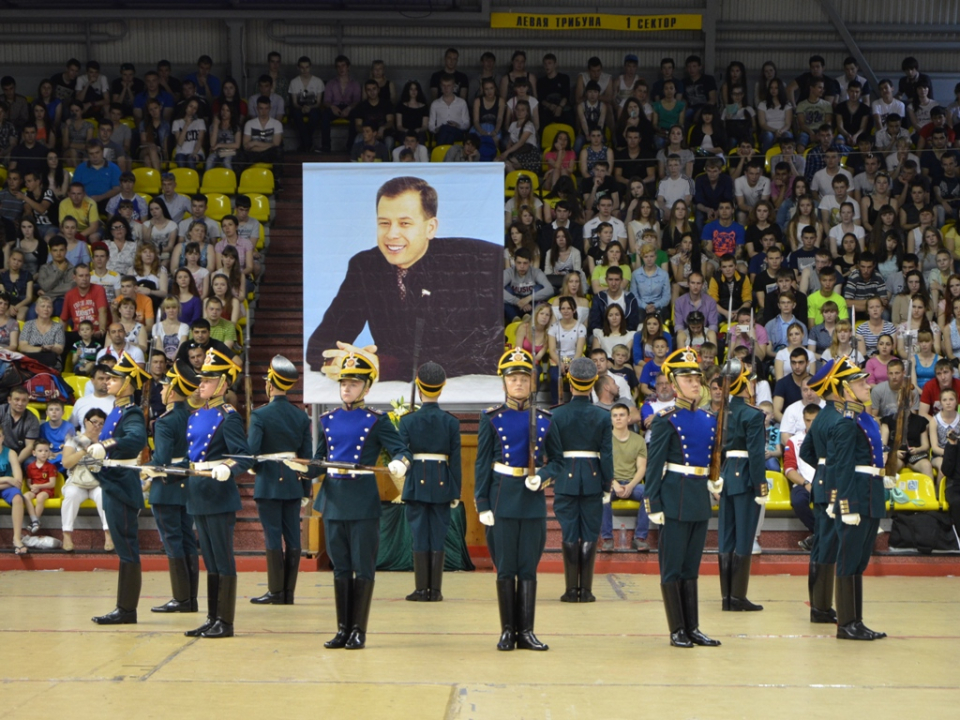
(133, 351)
(751, 195)
(309, 96)
(189, 145)
(101, 85)
(883, 109)
(822, 182)
(263, 133)
(420, 154)
(567, 339)
(672, 190)
(837, 232)
(776, 117)
(619, 229)
(792, 421)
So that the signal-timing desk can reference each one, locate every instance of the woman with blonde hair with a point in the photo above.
(843, 344)
(572, 287)
(170, 331)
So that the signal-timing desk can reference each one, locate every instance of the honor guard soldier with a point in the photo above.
(511, 502)
(277, 427)
(432, 487)
(350, 499)
(581, 433)
(857, 469)
(214, 431)
(123, 437)
(168, 493)
(678, 491)
(819, 450)
(745, 487)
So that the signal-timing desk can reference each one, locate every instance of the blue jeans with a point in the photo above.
(768, 140)
(773, 464)
(783, 214)
(187, 160)
(448, 135)
(800, 502)
(643, 522)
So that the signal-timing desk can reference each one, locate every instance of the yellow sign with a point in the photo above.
(594, 21)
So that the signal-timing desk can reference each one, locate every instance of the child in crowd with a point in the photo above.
(708, 355)
(42, 481)
(774, 451)
(56, 432)
(622, 367)
(85, 350)
(648, 376)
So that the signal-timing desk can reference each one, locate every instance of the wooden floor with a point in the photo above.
(610, 659)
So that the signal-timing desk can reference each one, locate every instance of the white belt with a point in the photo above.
(580, 454)
(431, 456)
(131, 461)
(508, 470)
(822, 461)
(174, 461)
(868, 470)
(688, 469)
(206, 465)
(737, 453)
(340, 472)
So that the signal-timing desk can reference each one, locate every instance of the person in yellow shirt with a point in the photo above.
(82, 209)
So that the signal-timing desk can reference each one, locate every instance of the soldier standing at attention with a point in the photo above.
(857, 468)
(581, 433)
(511, 502)
(350, 499)
(745, 488)
(433, 486)
(168, 495)
(819, 450)
(678, 495)
(214, 431)
(123, 436)
(277, 427)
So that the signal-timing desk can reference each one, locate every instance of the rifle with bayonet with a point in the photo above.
(290, 457)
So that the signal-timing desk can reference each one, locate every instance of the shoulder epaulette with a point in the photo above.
(544, 413)
(378, 413)
(329, 412)
(228, 408)
(493, 409)
(666, 411)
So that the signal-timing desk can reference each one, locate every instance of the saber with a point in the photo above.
(313, 463)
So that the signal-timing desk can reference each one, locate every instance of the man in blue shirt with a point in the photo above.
(208, 86)
(710, 188)
(153, 91)
(725, 235)
(100, 179)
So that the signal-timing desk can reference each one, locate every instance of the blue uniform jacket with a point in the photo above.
(858, 443)
(432, 430)
(580, 425)
(124, 435)
(355, 436)
(169, 442)
(745, 431)
(214, 432)
(503, 437)
(683, 435)
(279, 426)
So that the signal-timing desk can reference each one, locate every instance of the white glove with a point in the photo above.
(656, 518)
(761, 500)
(454, 504)
(889, 483)
(831, 513)
(486, 517)
(149, 473)
(305, 502)
(850, 518)
(606, 497)
(97, 451)
(397, 468)
(715, 486)
(221, 473)
(298, 467)
(533, 482)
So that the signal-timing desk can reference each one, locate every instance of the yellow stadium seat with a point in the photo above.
(771, 154)
(79, 385)
(624, 506)
(944, 505)
(219, 180)
(56, 502)
(3, 175)
(780, 494)
(148, 180)
(510, 334)
(129, 122)
(261, 240)
(438, 153)
(37, 410)
(917, 487)
(218, 206)
(259, 207)
(188, 181)
(510, 185)
(257, 180)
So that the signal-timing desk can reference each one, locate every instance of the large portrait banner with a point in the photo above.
(407, 257)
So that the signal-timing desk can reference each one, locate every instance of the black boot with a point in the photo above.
(858, 581)
(291, 569)
(128, 597)
(362, 599)
(571, 572)
(421, 577)
(739, 582)
(526, 613)
(507, 602)
(274, 594)
(691, 614)
(180, 584)
(193, 567)
(226, 608)
(213, 597)
(848, 628)
(673, 605)
(725, 560)
(436, 576)
(343, 600)
(588, 555)
(821, 594)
